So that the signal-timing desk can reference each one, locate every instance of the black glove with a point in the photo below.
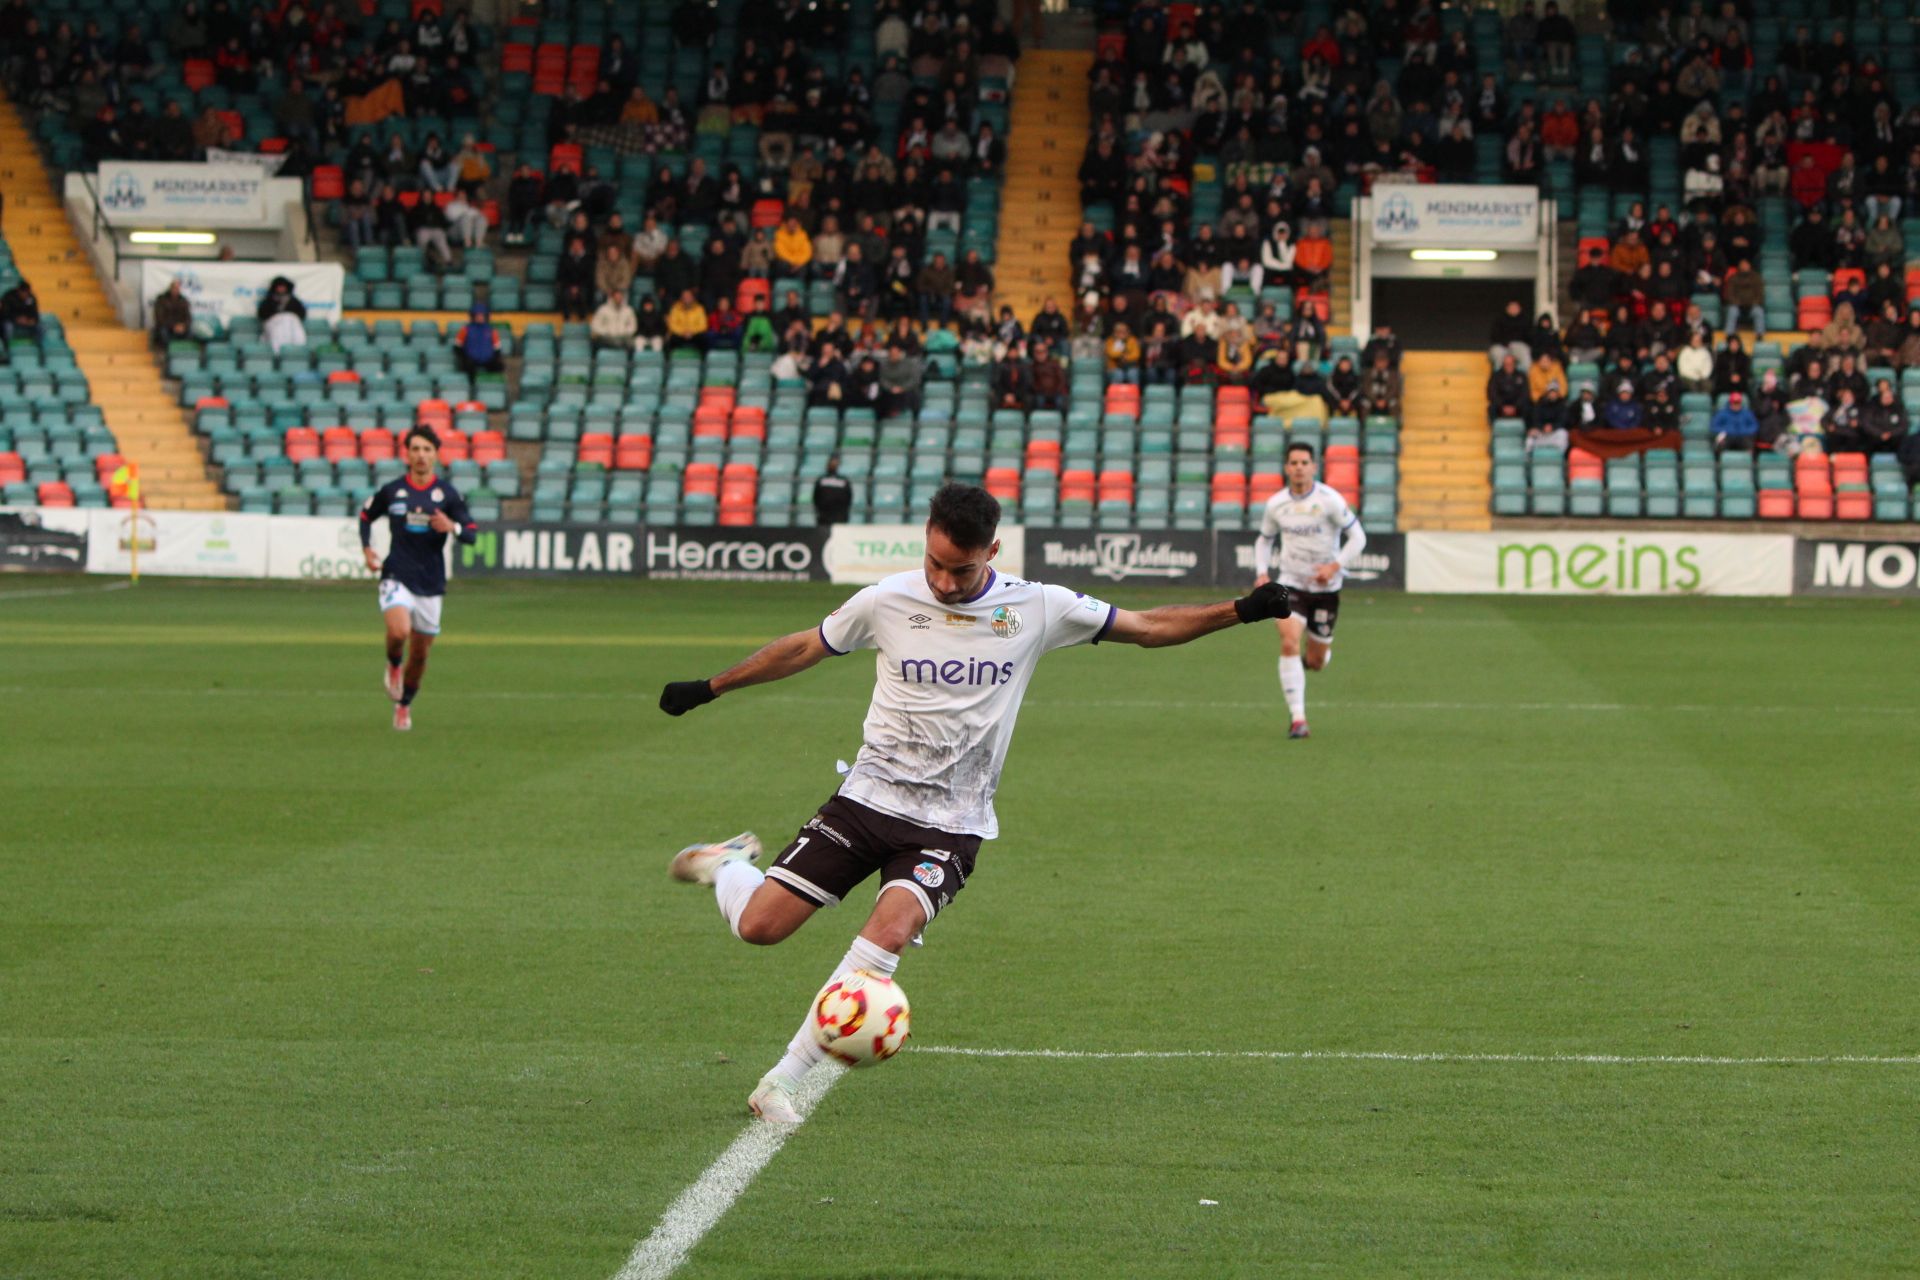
(1269, 600)
(683, 696)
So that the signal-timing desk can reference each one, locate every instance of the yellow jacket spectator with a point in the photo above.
(793, 246)
(687, 322)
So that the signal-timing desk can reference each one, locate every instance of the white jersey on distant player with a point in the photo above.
(1309, 528)
(947, 688)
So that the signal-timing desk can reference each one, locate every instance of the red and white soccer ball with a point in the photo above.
(860, 1018)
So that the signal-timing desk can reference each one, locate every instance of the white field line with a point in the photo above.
(51, 592)
(704, 1203)
(1152, 704)
(1354, 1055)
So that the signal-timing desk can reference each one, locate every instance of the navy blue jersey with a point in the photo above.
(416, 558)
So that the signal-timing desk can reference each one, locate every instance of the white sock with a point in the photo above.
(1293, 683)
(802, 1052)
(733, 884)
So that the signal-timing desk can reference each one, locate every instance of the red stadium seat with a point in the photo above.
(1853, 506)
(1264, 484)
(198, 73)
(565, 157)
(337, 377)
(376, 445)
(1815, 507)
(1775, 504)
(700, 477)
(329, 182)
(54, 493)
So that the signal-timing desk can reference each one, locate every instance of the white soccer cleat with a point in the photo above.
(391, 681)
(772, 1101)
(402, 717)
(696, 863)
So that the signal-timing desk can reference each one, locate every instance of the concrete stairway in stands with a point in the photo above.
(1444, 441)
(124, 378)
(1040, 207)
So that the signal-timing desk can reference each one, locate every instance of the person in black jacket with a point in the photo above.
(832, 496)
(1508, 395)
(1511, 336)
(574, 282)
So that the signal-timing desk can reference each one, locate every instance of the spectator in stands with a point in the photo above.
(1545, 374)
(358, 222)
(613, 273)
(466, 222)
(1843, 424)
(525, 195)
(472, 169)
(1122, 355)
(172, 315)
(1623, 412)
(1629, 255)
(1734, 426)
(650, 326)
(282, 316)
(1343, 392)
(477, 345)
(1307, 335)
(1507, 392)
(1593, 283)
(1511, 336)
(573, 281)
(1745, 293)
(1383, 342)
(1380, 393)
(832, 496)
(427, 222)
(792, 249)
(973, 283)
(725, 325)
(1883, 423)
(1732, 367)
(437, 169)
(687, 323)
(615, 323)
(1523, 39)
(1695, 365)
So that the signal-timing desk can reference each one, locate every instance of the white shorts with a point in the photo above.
(424, 609)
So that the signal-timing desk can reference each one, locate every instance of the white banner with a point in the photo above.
(224, 290)
(1601, 562)
(194, 544)
(1456, 216)
(266, 163)
(320, 548)
(182, 196)
(859, 554)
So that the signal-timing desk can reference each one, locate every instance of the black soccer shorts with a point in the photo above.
(845, 842)
(1321, 609)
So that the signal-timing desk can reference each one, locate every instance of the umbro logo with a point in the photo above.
(920, 621)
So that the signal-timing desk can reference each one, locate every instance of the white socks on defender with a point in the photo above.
(733, 884)
(802, 1053)
(1293, 683)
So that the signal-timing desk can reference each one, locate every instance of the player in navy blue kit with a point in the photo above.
(421, 508)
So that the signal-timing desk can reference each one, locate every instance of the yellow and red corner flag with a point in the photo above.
(126, 484)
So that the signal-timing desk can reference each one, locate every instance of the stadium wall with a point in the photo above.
(1605, 560)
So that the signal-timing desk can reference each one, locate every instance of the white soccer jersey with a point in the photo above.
(1309, 528)
(947, 689)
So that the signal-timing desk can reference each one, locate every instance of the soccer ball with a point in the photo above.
(860, 1018)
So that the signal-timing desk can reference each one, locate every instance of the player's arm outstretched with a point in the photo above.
(1179, 623)
(787, 656)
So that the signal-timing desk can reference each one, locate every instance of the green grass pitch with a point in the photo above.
(286, 994)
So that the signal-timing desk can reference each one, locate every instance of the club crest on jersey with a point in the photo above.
(1005, 622)
(436, 495)
(930, 874)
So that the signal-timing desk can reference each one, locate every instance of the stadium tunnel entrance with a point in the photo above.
(1445, 315)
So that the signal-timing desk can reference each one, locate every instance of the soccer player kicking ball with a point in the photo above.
(957, 643)
(422, 508)
(1320, 538)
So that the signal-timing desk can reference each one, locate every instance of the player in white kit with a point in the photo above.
(1319, 538)
(956, 645)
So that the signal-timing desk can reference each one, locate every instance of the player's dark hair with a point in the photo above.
(1301, 445)
(966, 513)
(424, 432)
